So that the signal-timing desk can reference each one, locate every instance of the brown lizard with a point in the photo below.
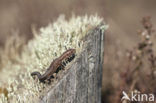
(56, 65)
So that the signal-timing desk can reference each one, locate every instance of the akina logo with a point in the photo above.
(137, 96)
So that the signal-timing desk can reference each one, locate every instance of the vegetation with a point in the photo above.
(138, 68)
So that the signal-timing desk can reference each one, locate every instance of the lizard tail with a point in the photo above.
(40, 77)
(36, 73)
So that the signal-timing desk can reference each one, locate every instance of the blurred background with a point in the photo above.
(123, 17)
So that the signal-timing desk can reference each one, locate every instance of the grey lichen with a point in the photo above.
(16, 84)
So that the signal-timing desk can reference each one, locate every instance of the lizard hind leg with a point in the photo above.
(48, 80)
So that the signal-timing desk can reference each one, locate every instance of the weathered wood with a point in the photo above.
(82, 82)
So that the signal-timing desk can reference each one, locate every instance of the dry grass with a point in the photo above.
(136, 69)
(18, 60)
(121, 15)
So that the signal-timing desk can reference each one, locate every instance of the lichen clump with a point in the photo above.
(16, 84)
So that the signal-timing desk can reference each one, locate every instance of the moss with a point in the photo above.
(48, 43)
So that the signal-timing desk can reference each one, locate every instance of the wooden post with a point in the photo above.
(83, 80)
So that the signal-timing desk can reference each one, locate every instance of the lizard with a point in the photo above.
(57, 64)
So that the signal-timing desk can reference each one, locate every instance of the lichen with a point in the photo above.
(48, 43)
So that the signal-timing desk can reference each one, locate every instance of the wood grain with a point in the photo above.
(83, 80)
